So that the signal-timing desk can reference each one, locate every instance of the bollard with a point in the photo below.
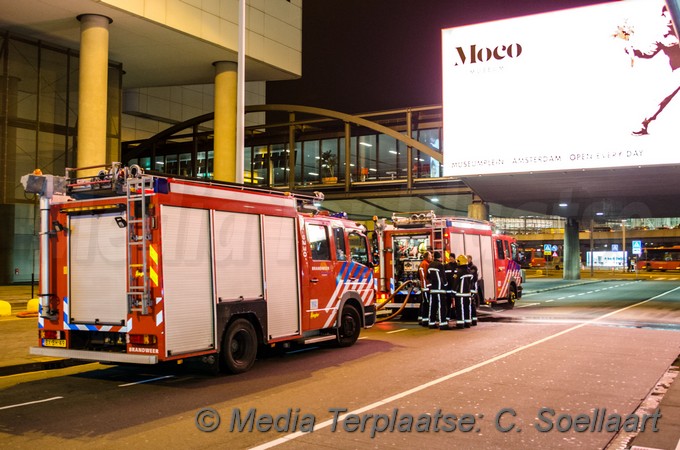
(32, 305)
(5, 308)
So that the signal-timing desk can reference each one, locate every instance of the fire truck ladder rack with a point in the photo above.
(423, 219)
(139, 237)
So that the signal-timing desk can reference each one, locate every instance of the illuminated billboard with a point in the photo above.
(590, 87)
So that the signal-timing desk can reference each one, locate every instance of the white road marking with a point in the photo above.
(396, 331)
(30, 403)
(548, 301)
(450, 376)
(524, 305)
(146, 381)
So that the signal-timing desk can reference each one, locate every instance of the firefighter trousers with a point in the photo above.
(473, 309)
(439, 310)
(464, 311)
(424, 310)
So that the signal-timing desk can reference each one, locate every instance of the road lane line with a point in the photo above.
(146, 381)
(548, 301)
(429, 384)
(396, 331)
(30, 403)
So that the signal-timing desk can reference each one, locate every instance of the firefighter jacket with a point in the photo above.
(450, 271)
(422, 273)
(436, 278)
(464, 282)
(472, 269)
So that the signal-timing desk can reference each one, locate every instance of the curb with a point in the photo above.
(40, 366)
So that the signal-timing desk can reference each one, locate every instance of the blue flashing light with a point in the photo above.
(161, 186)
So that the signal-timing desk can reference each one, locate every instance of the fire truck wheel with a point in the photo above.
(512, 297)
(350, 326)
(239, 347)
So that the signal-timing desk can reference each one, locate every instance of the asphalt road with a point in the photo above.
(600, 346)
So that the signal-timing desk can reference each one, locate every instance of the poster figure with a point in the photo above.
(667, 44)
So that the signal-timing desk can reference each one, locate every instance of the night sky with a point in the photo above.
(371, 55)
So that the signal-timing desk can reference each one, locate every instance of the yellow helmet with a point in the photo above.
(462, 260)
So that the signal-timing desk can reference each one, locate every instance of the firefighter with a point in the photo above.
(450, 271)
(462, 287)
(423, 315)
(474, 290)
(437, 286)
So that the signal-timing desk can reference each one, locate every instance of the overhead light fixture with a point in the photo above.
(563, 205)
(599, 214)
(365, 144)
(435, 199)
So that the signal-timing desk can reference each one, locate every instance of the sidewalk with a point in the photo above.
(17, 334)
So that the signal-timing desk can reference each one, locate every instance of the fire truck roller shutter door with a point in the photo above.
(97, 249)
(238, 256)
(281, 277)
(486, 269)
(187, 279)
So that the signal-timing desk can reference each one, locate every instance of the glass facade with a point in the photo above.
(374, 157)
(38, 127)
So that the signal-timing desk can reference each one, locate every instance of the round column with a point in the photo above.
(224, 164)
(478, 210)
(93, 90)
(572, 256)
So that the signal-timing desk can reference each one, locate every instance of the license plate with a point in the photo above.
(54, 343)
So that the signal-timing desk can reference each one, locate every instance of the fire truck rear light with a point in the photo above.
(50, 334)
(143, 339)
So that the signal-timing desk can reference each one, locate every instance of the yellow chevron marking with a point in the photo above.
(153, 254)
(154, 276)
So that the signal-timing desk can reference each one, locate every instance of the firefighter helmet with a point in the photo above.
(462, 260)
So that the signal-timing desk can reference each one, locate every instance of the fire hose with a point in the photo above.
(403, 305)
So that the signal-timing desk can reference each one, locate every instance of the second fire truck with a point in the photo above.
(144, 269)
(402, 243)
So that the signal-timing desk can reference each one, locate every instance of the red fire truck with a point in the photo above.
(401, 246)
(143, 269)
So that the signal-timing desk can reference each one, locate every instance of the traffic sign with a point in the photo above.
(637, 247)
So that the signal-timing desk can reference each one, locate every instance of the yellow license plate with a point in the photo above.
(54, 343)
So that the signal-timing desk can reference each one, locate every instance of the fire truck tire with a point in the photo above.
(512, 297)
(239, 347)
(350, 327)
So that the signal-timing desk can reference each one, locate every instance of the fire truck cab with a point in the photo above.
(401, 246)
(144, 269)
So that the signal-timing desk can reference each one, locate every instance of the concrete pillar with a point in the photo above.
(572, 257)
(93, 90)
(224, 143)
(478, 210)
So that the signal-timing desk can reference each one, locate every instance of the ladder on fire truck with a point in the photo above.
(139, 239)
